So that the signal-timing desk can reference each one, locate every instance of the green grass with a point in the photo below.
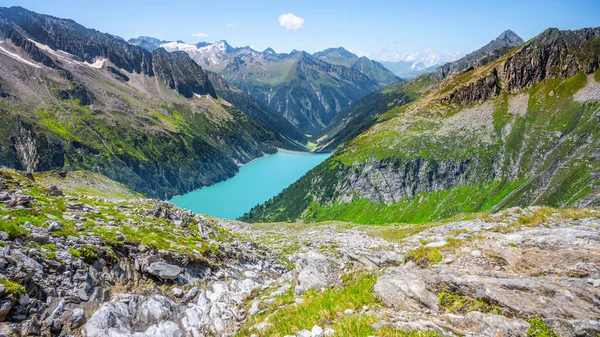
(425, 256)
(326, 310)
(75, 252)
(13, 229)
(12, 287)
(320, 308)
(538, 328)
(460, 304)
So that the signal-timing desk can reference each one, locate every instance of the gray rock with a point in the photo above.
(54, 225)
(39, 238)
(177, 292)
(329, 332)
(316, 271)
(77, 318)
(404, 288)
(316, 331)
(304, 333)
(164, 270)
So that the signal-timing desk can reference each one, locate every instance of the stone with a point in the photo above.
(164, 270)
(476, 253)
(177, 292)
(54, 225)
(316, 331)
(349, 312)
(304, 333)
(316, 271)
(329, 332)
(404, 288)
(77, 318)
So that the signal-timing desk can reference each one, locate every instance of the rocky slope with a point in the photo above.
(521, 130)
(307, 91)
(75, 98)
(81, 263)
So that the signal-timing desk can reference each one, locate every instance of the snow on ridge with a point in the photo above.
(18, 57)
(98, 63)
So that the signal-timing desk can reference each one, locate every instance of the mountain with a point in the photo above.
(147, 42)
(287, 134)
(364, 112)
(75, 98)
(372, 69)
(307, 91)
(482, 56)
(519, 130)
(407, 69)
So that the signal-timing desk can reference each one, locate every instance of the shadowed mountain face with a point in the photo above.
(513, 128)
(308, 90)
(75, 98)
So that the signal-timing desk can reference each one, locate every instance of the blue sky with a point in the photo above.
(392, 30)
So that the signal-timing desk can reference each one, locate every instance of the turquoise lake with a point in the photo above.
(254, 184)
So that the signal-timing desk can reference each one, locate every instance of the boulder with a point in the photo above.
(316, 331)
(54, 225)
(316, 271)
(164, 270)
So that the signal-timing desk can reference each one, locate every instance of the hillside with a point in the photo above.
(75, 98)
(307, 91)
(521, 130)
(87, 262)
(363, 113)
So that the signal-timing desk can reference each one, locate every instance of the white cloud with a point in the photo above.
(420, 59)
(291, 22)
(199, 34)
(229, 25)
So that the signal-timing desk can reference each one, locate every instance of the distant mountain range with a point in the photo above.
(308, 90)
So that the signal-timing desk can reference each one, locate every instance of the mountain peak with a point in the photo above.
(510, 38)
(269, 50)
(339, 51)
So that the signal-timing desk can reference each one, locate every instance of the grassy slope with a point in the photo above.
(556, 137)
(130, 215)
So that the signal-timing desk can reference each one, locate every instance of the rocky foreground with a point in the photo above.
(76, 259)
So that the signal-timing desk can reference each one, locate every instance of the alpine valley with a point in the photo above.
(461, 199)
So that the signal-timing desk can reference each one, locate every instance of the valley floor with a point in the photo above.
(75, 261)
